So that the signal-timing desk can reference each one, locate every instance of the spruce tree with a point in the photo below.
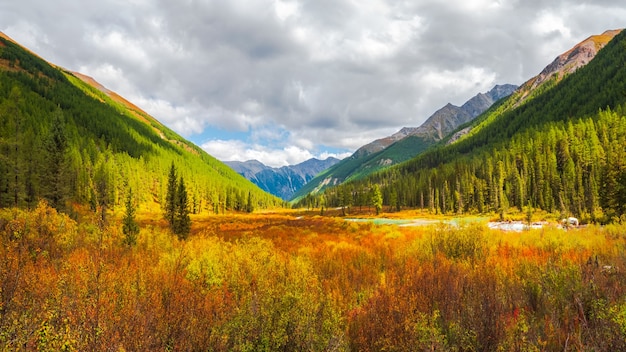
(130, 226)
(182, 221)
(249, 205)
(56, 163)
(170, 197)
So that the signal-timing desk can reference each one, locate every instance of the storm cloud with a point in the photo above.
(282, 81)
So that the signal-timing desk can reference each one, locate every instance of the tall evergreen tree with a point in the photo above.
(182, 221)
(130, 226)
(170, 197)
(13, 113)
(10, 130)
(55, 188)
(249, 205)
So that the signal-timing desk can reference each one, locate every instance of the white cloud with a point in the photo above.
(121, 44)
(226, 149)
(285, 9)
(302, 74)
(27, 34)
(548, 23)
(326, 155)
(477, 79)
(237, 150)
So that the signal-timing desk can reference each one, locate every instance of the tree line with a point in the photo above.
(577, 168)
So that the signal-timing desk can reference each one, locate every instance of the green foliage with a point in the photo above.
(181, 225)
(56, 146)
(176, 205)
(358, 167)
(562, 151)
(466, 244)
(130, 228)
(170, 195)
(249, 204)
(64, 140)
(376, 199)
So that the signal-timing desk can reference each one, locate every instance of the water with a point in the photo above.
(497, 225)
(416, 221)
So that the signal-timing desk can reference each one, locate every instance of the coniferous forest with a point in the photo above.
(118, 235)
(563, 151)
(67, 142)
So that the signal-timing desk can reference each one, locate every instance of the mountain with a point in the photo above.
(562, 66)
(67, 139)
(557, 146)
(443, 121)
(570, 61)
(283, 181)
(406, 143)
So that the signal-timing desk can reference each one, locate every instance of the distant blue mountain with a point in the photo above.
(283, 181)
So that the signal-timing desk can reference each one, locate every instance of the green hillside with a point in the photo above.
(562, 150)
(355, 168)
(66, 141)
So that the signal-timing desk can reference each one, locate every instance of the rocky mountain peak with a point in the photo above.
(443, 121)
(572, 60)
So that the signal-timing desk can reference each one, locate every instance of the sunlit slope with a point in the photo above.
(560, 150)
(406, 143)
(107, 138)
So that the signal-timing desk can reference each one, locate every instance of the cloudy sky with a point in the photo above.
(282, 81)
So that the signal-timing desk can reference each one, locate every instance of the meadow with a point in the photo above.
(298, 281)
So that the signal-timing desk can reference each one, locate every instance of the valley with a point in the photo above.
(117, 234)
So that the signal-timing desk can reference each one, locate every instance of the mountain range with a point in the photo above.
(406, 143)
(555, 144)
(282, 181)
(451, 123)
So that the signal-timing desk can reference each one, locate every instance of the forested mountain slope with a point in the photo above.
(562, 150)
(562, 66)
(68, 141)
(406, 143)
(452, 123)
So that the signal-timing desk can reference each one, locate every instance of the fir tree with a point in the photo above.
(56, 149)
(170, 197)
(249, 205)
(130, 226)
(182, 222)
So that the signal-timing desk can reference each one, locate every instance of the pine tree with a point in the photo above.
(170, 198)
(249, 206)
(14, 114)
(56, 149)
(182, 221)
(130, 226)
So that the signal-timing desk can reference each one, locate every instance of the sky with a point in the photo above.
(282, 81)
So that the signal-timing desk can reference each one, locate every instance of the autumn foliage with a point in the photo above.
(268, 282)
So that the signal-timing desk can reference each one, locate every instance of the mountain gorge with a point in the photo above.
(67, 139)
(284, 181)
(407, 142)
